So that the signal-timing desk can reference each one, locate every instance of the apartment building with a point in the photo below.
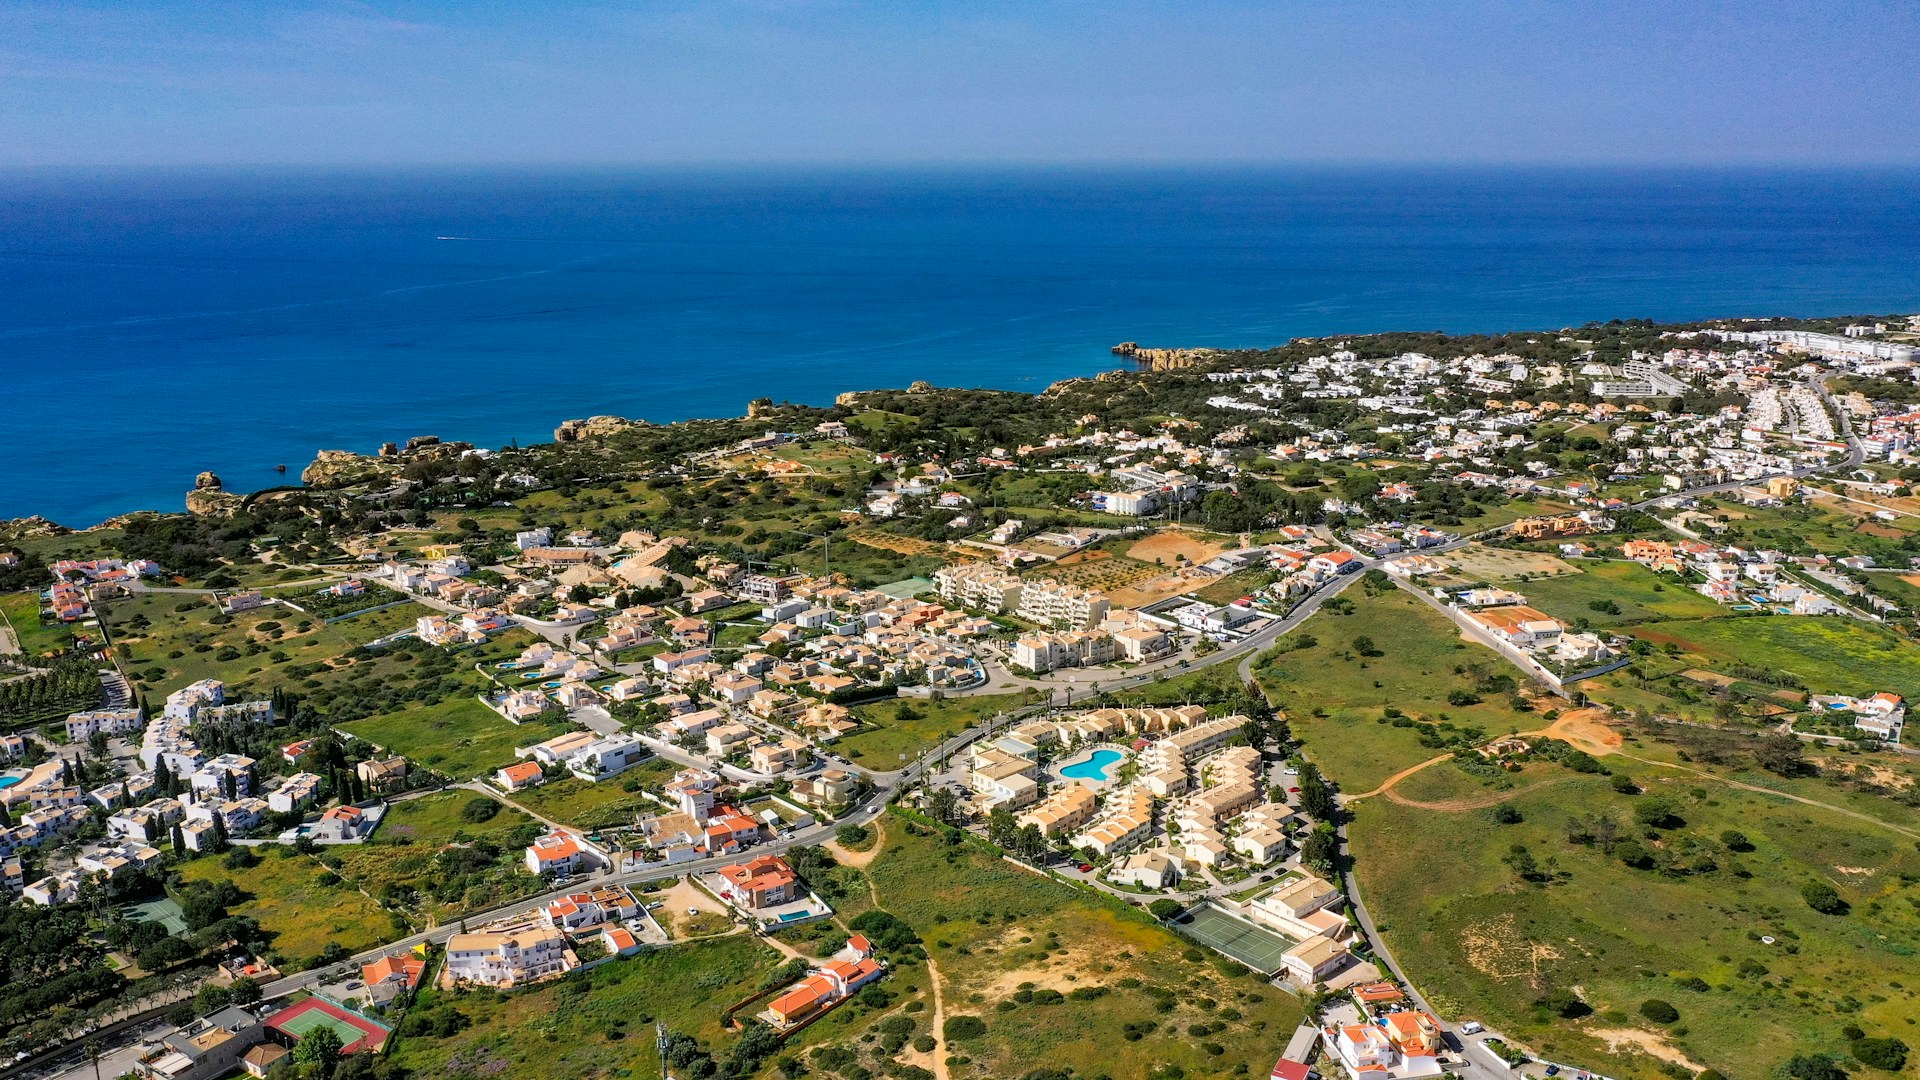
(1068, 648)
(507, 958)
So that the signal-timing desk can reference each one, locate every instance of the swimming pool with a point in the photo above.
(8, 781)
(1094, 767)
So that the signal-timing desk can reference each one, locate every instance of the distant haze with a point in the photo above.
(790, 81)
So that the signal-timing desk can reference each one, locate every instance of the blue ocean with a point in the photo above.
(154, 324)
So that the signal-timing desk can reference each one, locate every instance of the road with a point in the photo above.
(887, 784)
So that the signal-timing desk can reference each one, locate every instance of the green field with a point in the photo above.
(994, 929)
(1830, 655)
(23, 614)
(302, 915)
(1483, 944)
(1335, 698)
(458, 737)
(886, 736)
(554, 1033)
(155, 626)
(593, 806)
(407, 863)
(1639, 593)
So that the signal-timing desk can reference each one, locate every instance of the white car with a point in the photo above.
(1471, 1027)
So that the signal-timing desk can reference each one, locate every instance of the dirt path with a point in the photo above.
(858, 859)
(1802, 799)
(1580, 727)
(939, 1023)
(1387, 785)
(1476, 802)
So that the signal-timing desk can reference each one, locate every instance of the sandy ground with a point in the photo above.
(1168, 544)
(935, 1061)
(858, 859)
(1586, 729)
(1477, 562)
(683, 895)
(1618, 1039)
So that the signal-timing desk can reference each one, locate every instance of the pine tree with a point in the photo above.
(179, 840)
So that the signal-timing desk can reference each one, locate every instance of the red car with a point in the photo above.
(1086, 868)
(1295, 790)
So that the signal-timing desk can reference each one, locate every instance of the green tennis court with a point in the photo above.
(1226, 933)
(306, 1017)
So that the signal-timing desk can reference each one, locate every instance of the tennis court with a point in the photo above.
(304, 1018)
(1229, 934)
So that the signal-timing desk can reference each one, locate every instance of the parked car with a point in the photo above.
(1471, 1027)
(1086, 868)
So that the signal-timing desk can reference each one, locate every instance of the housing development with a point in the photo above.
(1387, 706)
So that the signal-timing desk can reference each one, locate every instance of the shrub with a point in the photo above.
(1633, 853)
(1887, 1054)
(479, 810)
(1164, 908)
(964, 1027)
(923, 1044)
(1736, 840)
(1822, 898)
(1658, 1011)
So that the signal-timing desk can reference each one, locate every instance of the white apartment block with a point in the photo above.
(507, 958)
(82, 726)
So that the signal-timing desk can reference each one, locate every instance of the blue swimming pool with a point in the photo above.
(1093, 768)
(8, 781)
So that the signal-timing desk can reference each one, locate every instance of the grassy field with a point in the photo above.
(997, 931)
(458, 737)
(1484, 944)
(23, 614)
(403, 864)
(1335, 697)
(286, 898)
(1639, 593)
(157, 626)
(593, 806)
(599, 1023)
(887, 736)
(1835, 655)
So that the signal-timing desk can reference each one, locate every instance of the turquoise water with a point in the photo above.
(1093, 768)
(796, 916)
(235, 320)
(8, 781)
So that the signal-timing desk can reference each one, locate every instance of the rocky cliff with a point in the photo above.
(592, 427)
(1163, 359)
(210, 499)
(339, 468)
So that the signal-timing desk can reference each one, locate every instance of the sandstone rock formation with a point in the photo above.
(592, 427)
(338, 468)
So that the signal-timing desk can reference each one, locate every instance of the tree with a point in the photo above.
(1660, 1012)
(1736, 840)
(1321, 849)
(1316, 798)
(1633, 853)
(1813, 1067)
(1781, 754)
(1165, 908)
(1654, 812)
(1002, 828)
(1365, 647)
(321, 1047)
(942, 805)
(1031, 843)
(1887, 1054)
(1521, 862)
(1822, 898)
(244, 991)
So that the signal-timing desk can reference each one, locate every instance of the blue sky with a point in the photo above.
(782, 81)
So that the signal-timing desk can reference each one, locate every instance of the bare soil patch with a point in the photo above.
(1168, 544)
(1499, 950)
(1478, 562)
(1646, 1042)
